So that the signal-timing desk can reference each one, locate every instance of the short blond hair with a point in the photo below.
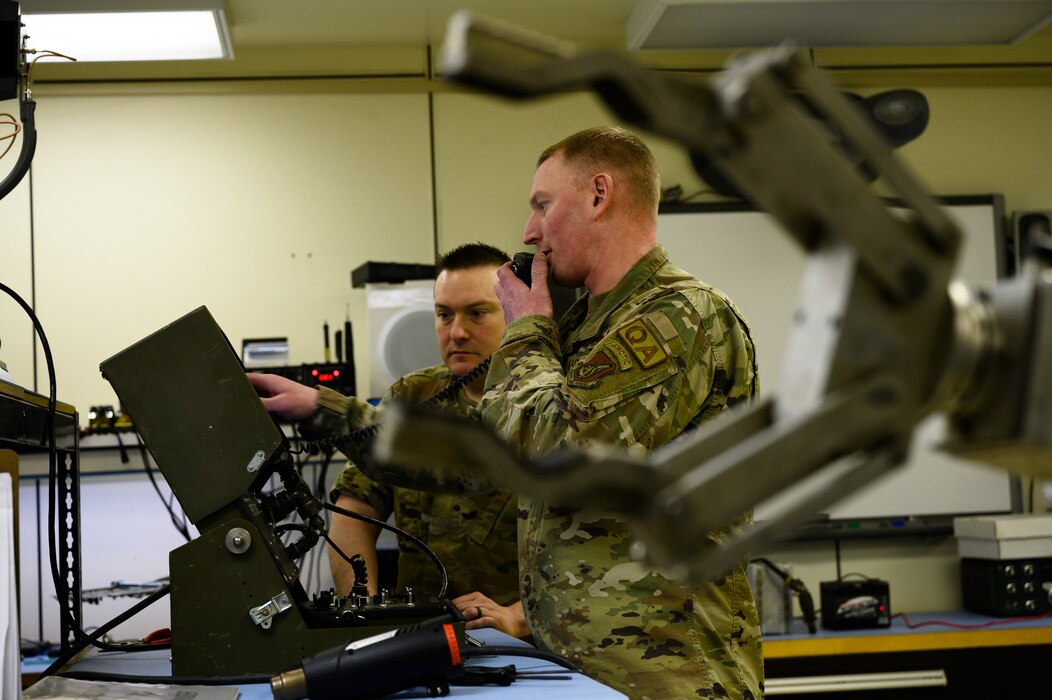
(591, 150)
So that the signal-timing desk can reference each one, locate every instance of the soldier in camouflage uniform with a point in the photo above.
(649, 353)
(473, 534)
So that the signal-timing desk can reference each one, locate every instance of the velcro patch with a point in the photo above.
(668, 331)
(587, 374)
(642, 343)
(624, 360)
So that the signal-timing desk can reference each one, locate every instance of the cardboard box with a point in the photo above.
(1001, 527)
(1017, 548)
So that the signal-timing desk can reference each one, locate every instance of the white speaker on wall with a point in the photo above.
(401, 331)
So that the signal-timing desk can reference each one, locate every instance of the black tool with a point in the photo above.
(522, 266)
(361, 575)
(348, 341)
(425, 654)
(502, 675)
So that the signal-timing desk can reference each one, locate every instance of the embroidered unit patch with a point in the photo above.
(590, 372)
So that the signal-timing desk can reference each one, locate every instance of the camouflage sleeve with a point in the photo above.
(341, 414)
(337, 414)
(671, 363)
(355, 484)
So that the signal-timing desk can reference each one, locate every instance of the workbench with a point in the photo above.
(976, 655)
(570, 686)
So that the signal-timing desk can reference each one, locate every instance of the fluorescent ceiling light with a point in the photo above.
(130, 36)
(730, 24)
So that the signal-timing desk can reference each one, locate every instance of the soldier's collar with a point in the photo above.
(603, 305)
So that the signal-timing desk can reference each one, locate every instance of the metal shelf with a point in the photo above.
(24, 429)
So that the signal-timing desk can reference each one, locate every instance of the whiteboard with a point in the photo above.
(745, 254)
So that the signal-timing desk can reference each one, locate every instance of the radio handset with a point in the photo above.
(522, 266)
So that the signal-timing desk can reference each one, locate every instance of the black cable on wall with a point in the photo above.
(431, 143)
(33, 276)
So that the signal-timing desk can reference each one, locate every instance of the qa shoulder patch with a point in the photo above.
(642, 342)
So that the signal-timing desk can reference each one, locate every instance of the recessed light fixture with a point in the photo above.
(115, 30)
(730, 24)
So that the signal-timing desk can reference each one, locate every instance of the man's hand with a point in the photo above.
(517, 299)
(290, 400)
(480, 611)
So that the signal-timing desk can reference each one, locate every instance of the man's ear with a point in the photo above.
(602, 189)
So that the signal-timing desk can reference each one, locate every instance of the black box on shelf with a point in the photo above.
(1006, 587)
(392, 273)
(852, 605)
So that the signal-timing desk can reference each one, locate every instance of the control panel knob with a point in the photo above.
(238, 540)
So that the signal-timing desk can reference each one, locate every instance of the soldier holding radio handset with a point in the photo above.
(522, 266)
(649, 353)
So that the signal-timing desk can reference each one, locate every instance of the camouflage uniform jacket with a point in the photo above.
(656, 355)
(474, 534)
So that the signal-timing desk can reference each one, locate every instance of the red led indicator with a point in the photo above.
(314, 373)
(325, 377)
(336, 373)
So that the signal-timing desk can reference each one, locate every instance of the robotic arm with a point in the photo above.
(881, 338)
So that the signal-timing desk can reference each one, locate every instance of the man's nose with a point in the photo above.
(460, 330)
(531, 234)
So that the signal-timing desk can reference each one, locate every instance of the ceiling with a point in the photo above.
(397, 39)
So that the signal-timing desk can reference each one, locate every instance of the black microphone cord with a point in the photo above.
(398, 531)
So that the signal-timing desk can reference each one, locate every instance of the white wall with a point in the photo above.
(987, 139)
(485, 151)
(257, 206)
(980, 140)
(15, 271)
